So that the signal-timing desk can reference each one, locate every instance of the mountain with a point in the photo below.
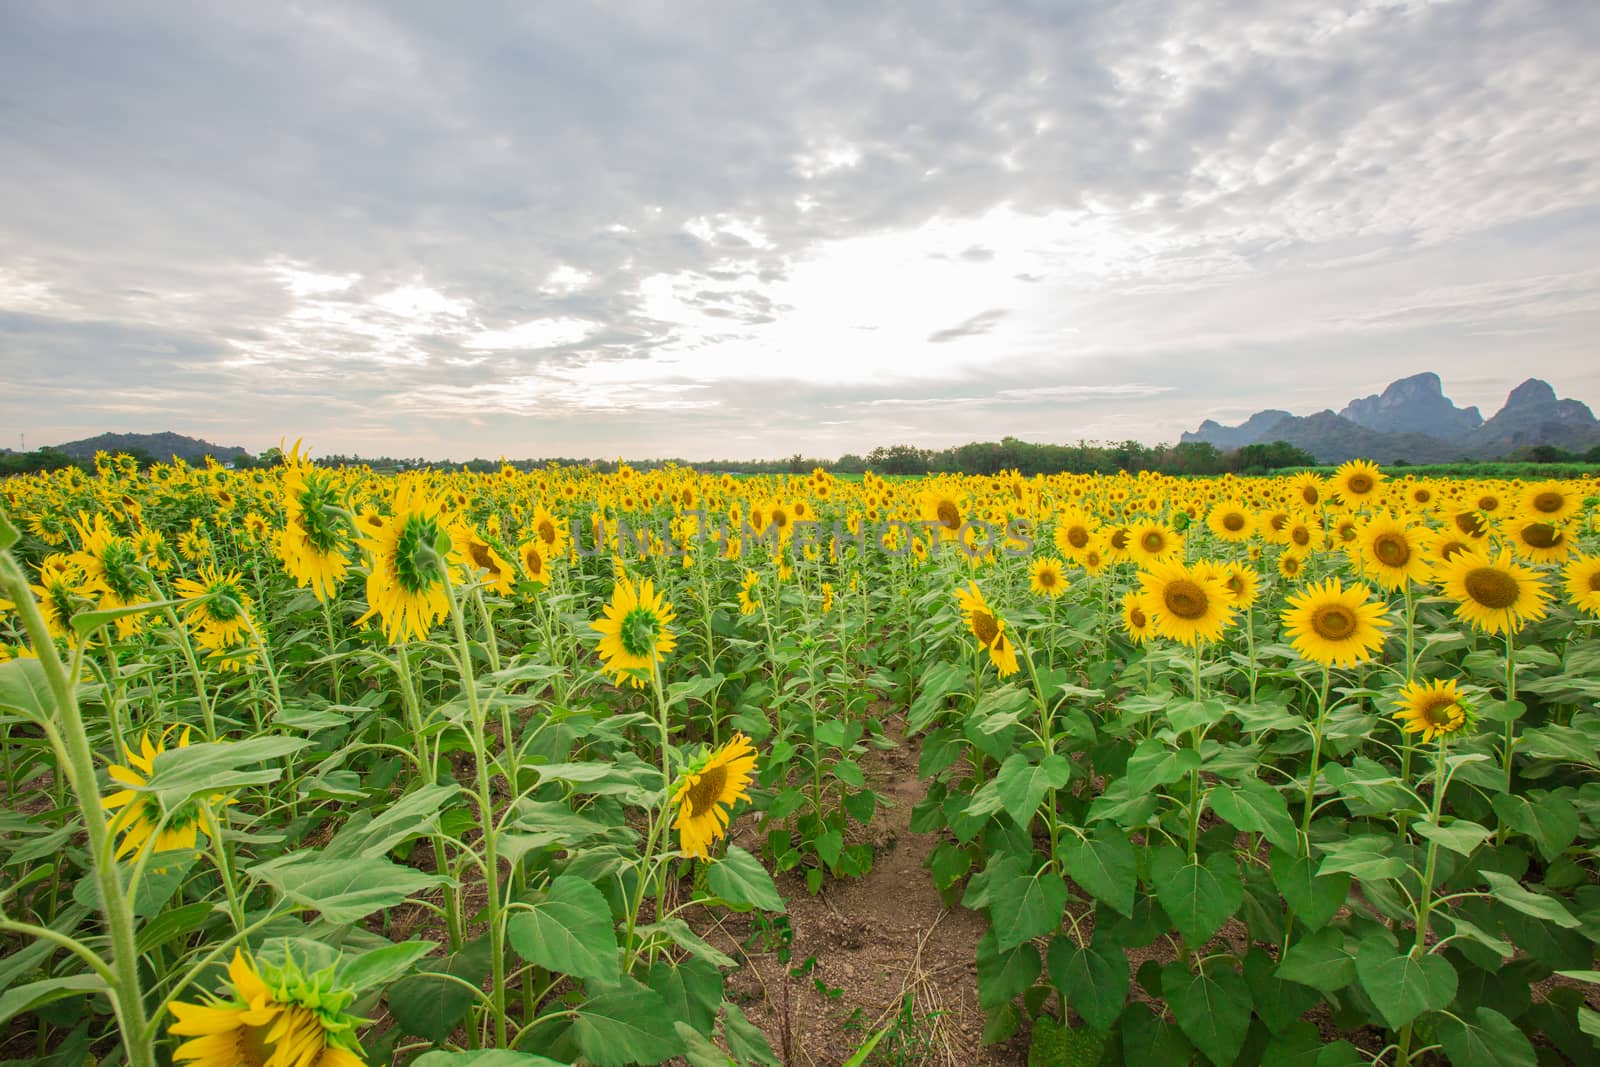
(1534, 416)
(160, 446)
(1227, 438)
(1414, 405)
(1412, 420)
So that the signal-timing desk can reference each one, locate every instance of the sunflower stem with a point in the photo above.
(493, 910)
(1511, 723)
(127, 999)
(1316, 759)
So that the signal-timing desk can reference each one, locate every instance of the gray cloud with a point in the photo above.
(612, 227)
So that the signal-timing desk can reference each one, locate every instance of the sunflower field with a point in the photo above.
(320, 767)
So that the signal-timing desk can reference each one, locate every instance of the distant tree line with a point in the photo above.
(976, 457)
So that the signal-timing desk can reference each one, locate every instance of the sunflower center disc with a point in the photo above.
(1488, 503)
(1548, 503)
(1440, 712)
(1360, 483)
(1333, 622)
(949, 517)
(1492, 588)
(1541, 535)
(1119, 540)
(1153, 542)
(1300, 536)
(1594, 582)
(1310, 495)
(1185, 599)
(705, 792)
(1392, 551)
(1077, 537)
(985, 628)
(1137, 618)
(1469, 523)
(1233, 522)
(639, 631)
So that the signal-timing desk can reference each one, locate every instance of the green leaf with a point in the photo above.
(9, 534)
(1024, 905)
(1368, 857)
(1319, 960)
(1459, 836)
(569, 931)
(1403, 986)
(739, 880)
(1314, 897)
(342, 891)
(430, 1007)
(1147, 1038)
(692, 989)
(87, 622)
(179, 775)
(379, 967)
(1003, 975)
(1255, 807)
(413, 815)
(1105, 866)
(691, 942)
(1511, 893)
(1552, 822)
(1154, 763)
(1212, 1008)
(1023, 784)
(1277, 1001)
(626, 1024)
(494, 1057)
(1192, 714)
(19, 999)
(25, 691)
(745, 1039)
(1490, 1040)
(1198, 897)
(1093, 981)
(699, 1050)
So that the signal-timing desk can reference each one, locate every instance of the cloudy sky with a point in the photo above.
(751, 228)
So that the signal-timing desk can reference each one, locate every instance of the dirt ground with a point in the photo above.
(875, 939)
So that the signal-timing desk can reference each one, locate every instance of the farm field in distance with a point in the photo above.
(312, 766)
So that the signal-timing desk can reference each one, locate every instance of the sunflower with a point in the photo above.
(407, 587)
(1537, 540)
(750, 593)
(217, 611)
(1076, 533)
(548, 531)
(707, 791)
(1135, 617)
(1291, 565)
(1445, 544)
(113, 567)
(1150, 541)
(988, 628)
(1583, 583)
(276, 1017)
(942, 511)
(480, 555)
(535, 564)
(1495, 595)
(1550, 501)
(59, 594)
(1303, 533)
(1241, 581)
(827, 597)
(1231, 521)
(1357, 481)
(312, 543)
(1392, 552)
(138, 814)
(1187, 604)
(634, 632)
(1470, 523)
(1432, 709)
(1335, 626)
(1046, 579)
(1308, 489)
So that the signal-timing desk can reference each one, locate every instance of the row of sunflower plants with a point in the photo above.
(1366, 791)
(282, 823)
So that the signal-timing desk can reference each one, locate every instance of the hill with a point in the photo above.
(1412, 420)
(159, 446)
